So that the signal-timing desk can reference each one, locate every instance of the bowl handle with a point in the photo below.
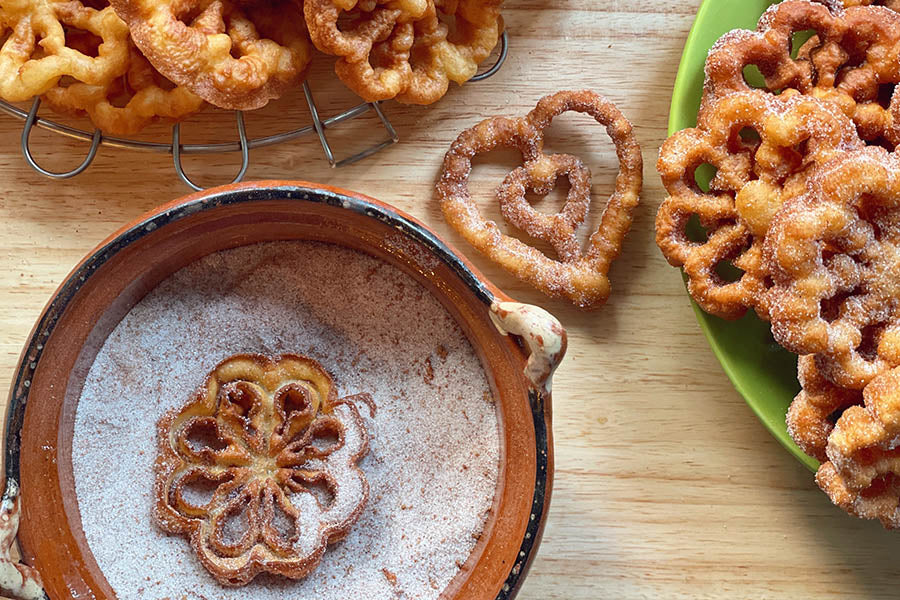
(17, 580)
(542, 334)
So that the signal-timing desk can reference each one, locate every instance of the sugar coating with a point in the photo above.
(434, 451)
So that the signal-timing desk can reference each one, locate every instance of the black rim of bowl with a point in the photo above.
(18, 397)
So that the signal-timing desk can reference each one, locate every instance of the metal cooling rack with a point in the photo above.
(96, 139)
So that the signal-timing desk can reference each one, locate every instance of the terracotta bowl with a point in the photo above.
(102, 288)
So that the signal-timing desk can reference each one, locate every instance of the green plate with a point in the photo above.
(763, 372)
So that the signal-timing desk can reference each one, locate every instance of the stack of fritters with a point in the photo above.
(127, 64)
(801, 222)
(81, 60)
(404, 49)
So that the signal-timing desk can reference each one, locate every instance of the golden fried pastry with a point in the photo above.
(851, 61)
(128, 103)
(811, 416)
(372, 37)
(892, 4)
(863, 473)
(29, 68)
(808, 219)
(560, 229)
(404, 49)
(786, 136)
(259, 470)
(119, 100)
(580, 277)
(235, 55)
(833, 255)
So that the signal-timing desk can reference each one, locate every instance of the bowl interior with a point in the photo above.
(763, 372)
(104, 287)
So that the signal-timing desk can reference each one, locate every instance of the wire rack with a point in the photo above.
(319, 126)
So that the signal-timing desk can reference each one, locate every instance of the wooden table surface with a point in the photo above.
(666, 485)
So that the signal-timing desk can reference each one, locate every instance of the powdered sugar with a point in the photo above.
(434, 443)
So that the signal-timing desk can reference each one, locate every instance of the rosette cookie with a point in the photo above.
(852, 61)
(862, 475)
(235, 55)
(762, 148)
(833, 255)
(405, 49)
(260, 469)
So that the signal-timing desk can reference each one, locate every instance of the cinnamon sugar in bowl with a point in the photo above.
(459, 463)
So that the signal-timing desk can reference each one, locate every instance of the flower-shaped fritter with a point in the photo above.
(84, 63)
(892, 4)
(37, 51)
(852, 61)
(811, 416)
(128, 103)
(763, 148)
(259, 470)
(863, 473)
(404, 49)
(833, 255)
(233, 54)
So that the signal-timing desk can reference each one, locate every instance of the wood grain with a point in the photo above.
(666, 486)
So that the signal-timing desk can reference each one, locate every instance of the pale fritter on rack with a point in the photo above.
(126, 65)
(128, 103)
(235, 55)
(85, 63)
(36, 51)
(410, 49)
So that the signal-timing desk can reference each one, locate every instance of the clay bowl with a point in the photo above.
(103, 287)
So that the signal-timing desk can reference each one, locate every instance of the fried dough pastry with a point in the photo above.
(891, 4)
(580, 277)
(811, 416)
(404, 49)
(833, 255)
(128, 103)
(863, 473)
(235, 55)
(788, 135)
(35, 54)
(119, 94)
(259, 470)
(852, 61)
(558, 230)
